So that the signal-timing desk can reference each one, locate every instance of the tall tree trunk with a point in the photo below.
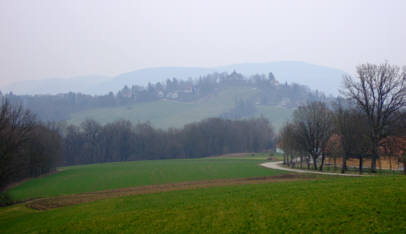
(301, 161)
(314, 162)
(335, 162)
(374, 156)
(344, 167)
(373, 164)
(390, 163)
(403, 157)
(322, 162)
(290, 160)
(404, 167)
(360, 164)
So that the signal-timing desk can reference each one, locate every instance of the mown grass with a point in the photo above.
(168, 113)
(96, 177)
(333, 205)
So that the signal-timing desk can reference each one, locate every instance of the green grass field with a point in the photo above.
(96, 177)
(167, 113)
(328, 205)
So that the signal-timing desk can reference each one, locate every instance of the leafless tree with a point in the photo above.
(313, 128)
(351, 126)
(379, 91)
(288, 143)
(27, 147)
(16, 125)
(394, 146)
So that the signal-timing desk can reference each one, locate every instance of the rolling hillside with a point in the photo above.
(170, 113)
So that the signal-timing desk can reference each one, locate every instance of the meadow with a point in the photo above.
(106, 176)
(321, 204)
(326, 205)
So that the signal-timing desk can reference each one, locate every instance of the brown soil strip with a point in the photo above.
(67, 200)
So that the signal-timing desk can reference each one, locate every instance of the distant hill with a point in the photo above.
(322, 78)
(81, 84)
(176, 102)
(170, 113)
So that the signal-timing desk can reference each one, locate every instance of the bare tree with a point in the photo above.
(16, 125)
(352, 129)
(288, 143)
(313, 128)
(335, 150)
(380, 91)
(395, 145)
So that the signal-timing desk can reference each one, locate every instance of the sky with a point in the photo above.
(54, 38)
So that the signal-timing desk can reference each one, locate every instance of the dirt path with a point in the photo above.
(67, 200)
(277, 166)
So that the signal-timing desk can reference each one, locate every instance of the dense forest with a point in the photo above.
(270, 92)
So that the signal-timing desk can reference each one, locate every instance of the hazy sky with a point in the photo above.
(50, 38)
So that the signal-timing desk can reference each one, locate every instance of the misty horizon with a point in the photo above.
(324, 79)
(44, 39)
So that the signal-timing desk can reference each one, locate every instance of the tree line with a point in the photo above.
(367, 122)
(92, 142)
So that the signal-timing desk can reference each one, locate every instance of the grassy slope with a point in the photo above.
(96, 177)
(344, 205)
(166, 113)
(277, 115)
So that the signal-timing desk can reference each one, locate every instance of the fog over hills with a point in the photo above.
(81, 84)
(325, 79)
